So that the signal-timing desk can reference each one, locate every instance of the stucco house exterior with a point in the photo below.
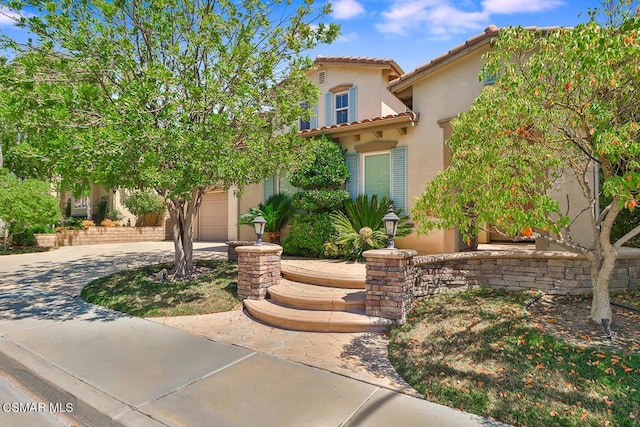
(393, 125)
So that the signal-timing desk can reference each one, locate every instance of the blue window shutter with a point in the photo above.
(328, 109)
(399, 177)
(352, 166)
(353, 104)
(268, 187)
(314, 118)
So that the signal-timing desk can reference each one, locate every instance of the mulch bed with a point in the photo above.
(567, 317)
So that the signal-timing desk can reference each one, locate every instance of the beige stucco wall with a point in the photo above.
(374, 100)
(438, 96)
(251, 197)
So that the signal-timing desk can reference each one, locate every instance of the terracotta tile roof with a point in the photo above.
(408, 116)
(387, 63)
(475, 41)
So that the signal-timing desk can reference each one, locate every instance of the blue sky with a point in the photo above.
(412, 32)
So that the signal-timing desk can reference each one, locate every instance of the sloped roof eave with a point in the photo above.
(408, 117)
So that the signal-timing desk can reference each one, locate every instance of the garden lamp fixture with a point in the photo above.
(390, 226)
(258, 224)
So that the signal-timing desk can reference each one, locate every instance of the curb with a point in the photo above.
(90, 405)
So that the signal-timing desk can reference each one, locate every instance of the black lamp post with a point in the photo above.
(258, 224)
(390, 226)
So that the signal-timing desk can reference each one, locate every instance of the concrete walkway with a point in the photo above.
(105, 368)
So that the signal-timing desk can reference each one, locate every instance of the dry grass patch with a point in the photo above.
(477, 351)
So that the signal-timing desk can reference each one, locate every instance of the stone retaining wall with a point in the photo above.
(551, 272)
(97, 235)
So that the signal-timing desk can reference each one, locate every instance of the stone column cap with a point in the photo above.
(266, 248)
(390, 253)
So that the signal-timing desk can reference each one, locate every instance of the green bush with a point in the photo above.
(22, 204)
(308, 235)
(319, 200)
(145, 202)
(327, 168)
(277, 210)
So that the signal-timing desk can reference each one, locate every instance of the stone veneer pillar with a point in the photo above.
(258, 268)
(389, 283)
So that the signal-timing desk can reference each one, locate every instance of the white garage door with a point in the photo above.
(213, 217)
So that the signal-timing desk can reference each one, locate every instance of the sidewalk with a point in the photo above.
(113, 369)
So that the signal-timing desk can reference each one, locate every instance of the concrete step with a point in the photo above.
(345, 281)
(312, 297)
(313, 320)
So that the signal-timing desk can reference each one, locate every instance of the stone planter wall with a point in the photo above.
(551, 272)
(98, 235)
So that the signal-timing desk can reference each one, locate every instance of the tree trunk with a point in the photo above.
(182, 213)
(601, 271)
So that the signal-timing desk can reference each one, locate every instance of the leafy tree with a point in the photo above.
(565, 103)
(177, 96)
(23, 204)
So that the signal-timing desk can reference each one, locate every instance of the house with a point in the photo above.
(394, 126)
(89, 203)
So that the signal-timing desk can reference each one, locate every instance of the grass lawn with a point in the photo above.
(477, 351)
(137, 292)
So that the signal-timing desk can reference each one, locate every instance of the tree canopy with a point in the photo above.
(177, 96)
(564, 106)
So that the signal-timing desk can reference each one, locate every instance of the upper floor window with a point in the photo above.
(304, 124)
(342, 107)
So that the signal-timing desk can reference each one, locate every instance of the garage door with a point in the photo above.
(212, 224)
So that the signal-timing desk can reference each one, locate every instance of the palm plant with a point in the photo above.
(360, 227)
(276, 210)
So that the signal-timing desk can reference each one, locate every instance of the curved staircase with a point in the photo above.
(313, 301)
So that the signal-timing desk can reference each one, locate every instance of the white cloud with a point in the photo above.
(346, 38)
(7, 17)
(346, 9)
(519, 6)
(440, 18)
(431, 16)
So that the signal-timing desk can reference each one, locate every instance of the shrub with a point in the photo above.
(308, 235)
(326, 170)
(277, 210)
(145, 202)
(361, 227)
(319, 200)
(23, 204)
(86, 224)
(109, 223)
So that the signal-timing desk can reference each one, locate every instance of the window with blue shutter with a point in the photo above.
(314, 118)
(328, 109)
(399, 177)
(353, 104)
(352, 166)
